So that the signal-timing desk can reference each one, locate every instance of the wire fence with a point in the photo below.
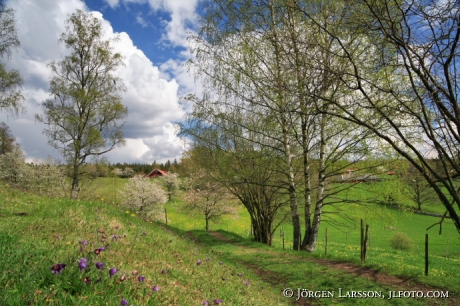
(437, 252)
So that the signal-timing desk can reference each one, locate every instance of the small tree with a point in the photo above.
(143, 196)
(84, 115)
(171, 183)
(418, 189)
(207, 198)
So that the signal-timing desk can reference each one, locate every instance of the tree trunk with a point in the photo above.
(307, 186)
(75, 183)
(261, 231)
(284, 121)
(313, 233)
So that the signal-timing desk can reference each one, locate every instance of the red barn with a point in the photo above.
(156, 173)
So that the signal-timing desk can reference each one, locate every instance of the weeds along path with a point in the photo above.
(383, 280)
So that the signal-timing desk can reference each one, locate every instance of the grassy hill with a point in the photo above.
(182, 264)
(37, 234)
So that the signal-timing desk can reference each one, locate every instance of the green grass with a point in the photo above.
(290, 269)
(37, 233)
(344, 242)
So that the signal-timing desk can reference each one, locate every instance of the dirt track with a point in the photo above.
(396, 282)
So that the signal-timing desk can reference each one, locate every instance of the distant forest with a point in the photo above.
(139, 168)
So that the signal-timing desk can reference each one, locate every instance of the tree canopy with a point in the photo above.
(10, 80)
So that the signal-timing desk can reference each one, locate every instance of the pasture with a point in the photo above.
(184, 265)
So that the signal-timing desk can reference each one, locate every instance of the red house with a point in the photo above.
(156, 173)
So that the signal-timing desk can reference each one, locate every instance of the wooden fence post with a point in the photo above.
(325, 249)
(426, 254)
(166, 216)
(362, 240)
(366, 237)
(447, 248)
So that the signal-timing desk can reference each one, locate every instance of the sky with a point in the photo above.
(153, 41)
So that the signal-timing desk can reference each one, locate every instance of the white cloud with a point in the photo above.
(113, 3)
(152, 100)
(141, 21)
(182, 17)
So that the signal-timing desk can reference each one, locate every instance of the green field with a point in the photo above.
(344, 242)
(38, 233)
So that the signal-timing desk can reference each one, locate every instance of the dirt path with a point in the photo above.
(395, 282)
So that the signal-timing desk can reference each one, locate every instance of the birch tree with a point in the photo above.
(417, 41)
(264, 62)
(84, 116)
(10, 80)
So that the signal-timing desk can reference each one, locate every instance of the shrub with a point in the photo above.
(401, 241)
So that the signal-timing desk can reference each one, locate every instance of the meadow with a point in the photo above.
(111, 255)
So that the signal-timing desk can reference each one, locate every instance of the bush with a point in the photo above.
(401, 241)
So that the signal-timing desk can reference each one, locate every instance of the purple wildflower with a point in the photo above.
(155, 288)
(221, 263)
(82, 264)
(57, 268)
(240, 274)
(124, 302)
(84, 242)
(246, 283)
(198, 262)
(205, 303)
(141, 278)
(87, 280)
(99, 265)
(113, 271)
(207, 259)
(217, 302)
(115, 237)
(98, 251)
(164, 271)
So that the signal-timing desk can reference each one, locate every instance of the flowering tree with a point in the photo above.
(13, 166)
(143, 196)
(46, 177)
(171, 183)
(207, 198)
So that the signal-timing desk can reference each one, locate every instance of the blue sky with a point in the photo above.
(145, 26)
(153, 42)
